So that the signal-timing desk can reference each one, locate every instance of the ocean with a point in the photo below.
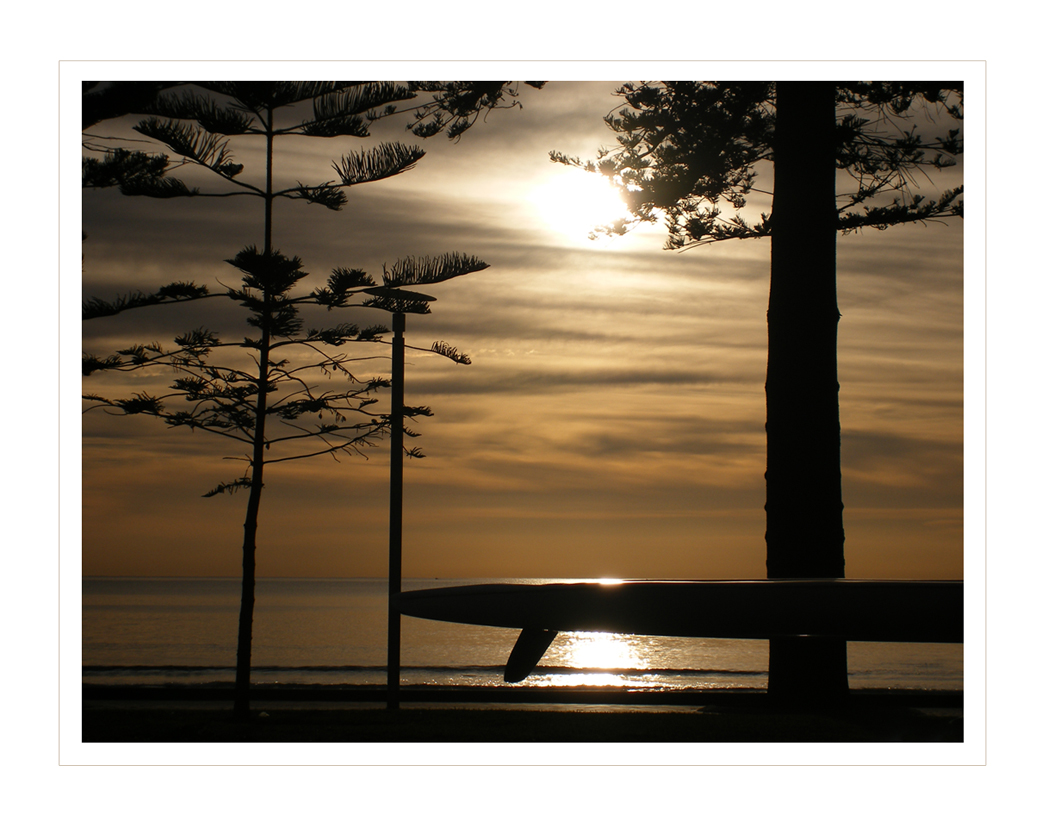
(182, 631)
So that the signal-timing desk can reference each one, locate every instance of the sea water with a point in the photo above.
(333, 632)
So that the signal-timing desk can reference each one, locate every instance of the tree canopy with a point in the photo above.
(264, 393)
(689, 154)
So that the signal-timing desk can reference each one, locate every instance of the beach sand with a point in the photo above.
(143, 716)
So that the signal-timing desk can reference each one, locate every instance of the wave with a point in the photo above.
(540, 670)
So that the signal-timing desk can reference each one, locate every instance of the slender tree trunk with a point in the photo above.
(241, 701)
(242, 691)
(242, 687)
(805, 529)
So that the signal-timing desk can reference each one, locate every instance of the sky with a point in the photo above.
(612, 421)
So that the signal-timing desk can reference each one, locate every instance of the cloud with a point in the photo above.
(613, 419)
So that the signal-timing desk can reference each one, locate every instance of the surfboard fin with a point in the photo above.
(527, 652)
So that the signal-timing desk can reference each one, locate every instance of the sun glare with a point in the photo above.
(573, 202)
(602, 650)
(596, 659)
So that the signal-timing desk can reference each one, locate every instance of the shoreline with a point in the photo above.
(304, 714)
(513, 695)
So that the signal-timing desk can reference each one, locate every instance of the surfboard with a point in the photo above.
(919, 611)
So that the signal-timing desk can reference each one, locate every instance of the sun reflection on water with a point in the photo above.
(602, 649)
(597, 659)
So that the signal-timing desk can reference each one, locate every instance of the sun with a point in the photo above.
(573, 202)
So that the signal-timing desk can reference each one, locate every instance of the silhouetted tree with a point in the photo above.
(237, 400)
(684, 148)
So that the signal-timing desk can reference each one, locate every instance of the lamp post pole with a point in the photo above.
(396, 508)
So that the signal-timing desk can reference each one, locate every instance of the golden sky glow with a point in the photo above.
(612, 424)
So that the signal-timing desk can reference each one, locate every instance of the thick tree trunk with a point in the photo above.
(805, 530)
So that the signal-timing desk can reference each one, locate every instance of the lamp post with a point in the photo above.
(397, 301)
(396, 512)
(393, 299)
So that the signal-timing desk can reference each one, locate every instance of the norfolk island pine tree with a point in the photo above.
(685, 147)
(196, 124)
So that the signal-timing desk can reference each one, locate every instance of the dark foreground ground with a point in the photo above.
(151, 717)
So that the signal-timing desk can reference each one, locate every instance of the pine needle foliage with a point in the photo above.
(384, 161)
(122, 166)
(174, 293)
(412, 271)
(689, 154)
(215, 391)
(220, 394)
(193, 121)
(456, 105)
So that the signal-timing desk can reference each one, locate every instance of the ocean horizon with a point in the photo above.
(182, 631)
